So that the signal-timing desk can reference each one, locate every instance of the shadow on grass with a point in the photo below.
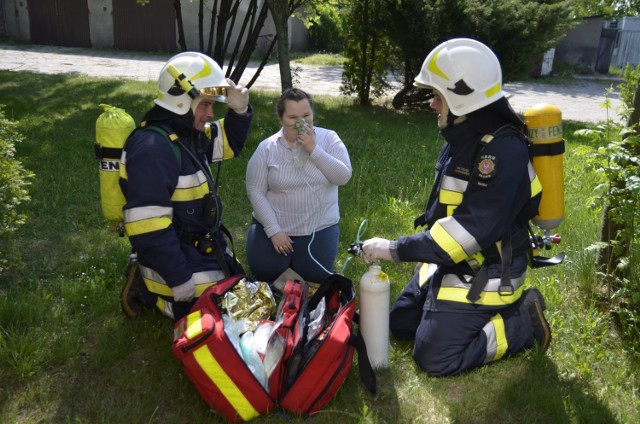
(526, 388)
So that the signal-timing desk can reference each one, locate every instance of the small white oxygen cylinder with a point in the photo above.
(374, 315)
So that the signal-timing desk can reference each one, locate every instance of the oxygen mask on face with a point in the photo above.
(301, 126)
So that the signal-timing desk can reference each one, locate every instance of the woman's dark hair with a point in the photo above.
(294, 94)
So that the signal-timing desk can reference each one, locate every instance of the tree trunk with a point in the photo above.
(181, 39)
(280, 13)
(201, 26)
(264, 61)
(251, 42)
(365, 83)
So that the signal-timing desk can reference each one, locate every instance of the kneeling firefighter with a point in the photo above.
(467, 305)
(172, 214)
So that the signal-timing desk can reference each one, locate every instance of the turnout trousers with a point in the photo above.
(450, 337)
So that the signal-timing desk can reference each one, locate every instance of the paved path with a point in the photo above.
(579, 100)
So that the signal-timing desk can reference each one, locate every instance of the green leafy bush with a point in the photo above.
(14, 180)
(385, 36)
(613, 156)
(325, 23)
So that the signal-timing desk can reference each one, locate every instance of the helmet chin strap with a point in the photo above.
(447, 119)
(451, 119)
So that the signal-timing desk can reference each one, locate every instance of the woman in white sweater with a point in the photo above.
(292, 183)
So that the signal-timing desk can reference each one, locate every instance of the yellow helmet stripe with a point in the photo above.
(206, 71)
(433, 67)
(492, 91)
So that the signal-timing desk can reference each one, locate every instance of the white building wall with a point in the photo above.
(101, 23)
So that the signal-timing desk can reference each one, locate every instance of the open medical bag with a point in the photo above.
(307, 358)
(213, 364)
(320, 362)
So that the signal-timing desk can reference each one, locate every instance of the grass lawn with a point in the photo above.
(69, 355)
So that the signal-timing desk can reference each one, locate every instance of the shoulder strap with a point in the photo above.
(481, 278)
(367, 374)
(169, 135)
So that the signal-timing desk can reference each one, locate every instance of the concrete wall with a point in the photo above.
(580, 44)
(16, 17)
(16, 24)
(631, 23)
(101, 23)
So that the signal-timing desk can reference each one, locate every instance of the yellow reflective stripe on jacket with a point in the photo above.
(497, 343)
(454, 239)
(476, 260)
(426, 271)
(165, 307)
(147, 212)
(452, 190)
(454, 290)
(202, 280)
(224, 383)
(536, 185)
(190, 187)
(122, 170)
(146, 219)
(221, 148)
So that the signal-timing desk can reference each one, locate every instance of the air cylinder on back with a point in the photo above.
(113, 127)
(544, 123)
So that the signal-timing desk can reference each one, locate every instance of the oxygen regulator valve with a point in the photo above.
(545, 241)
(356, 250)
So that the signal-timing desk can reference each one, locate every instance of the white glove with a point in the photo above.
(376, 248)
(184, 292)
(237, 97)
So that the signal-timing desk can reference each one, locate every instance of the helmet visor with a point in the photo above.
(421, 85)
(213, 91)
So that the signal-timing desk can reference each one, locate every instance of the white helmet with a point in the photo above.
(185, 77)
(466, 72)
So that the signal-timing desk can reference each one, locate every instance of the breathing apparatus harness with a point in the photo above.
(205, 243)
(522, 241)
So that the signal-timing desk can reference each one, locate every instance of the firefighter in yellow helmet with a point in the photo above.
(467, 304)
(172, 214)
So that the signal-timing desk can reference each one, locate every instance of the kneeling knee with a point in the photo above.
(429, 361)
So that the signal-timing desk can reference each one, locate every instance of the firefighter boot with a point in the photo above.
(133, 292)
(533, 306)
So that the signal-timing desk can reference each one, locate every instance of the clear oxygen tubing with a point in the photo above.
(375, 290)
(319, 210)
(361, 230)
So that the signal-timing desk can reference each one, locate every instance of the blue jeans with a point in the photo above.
(266, 264)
